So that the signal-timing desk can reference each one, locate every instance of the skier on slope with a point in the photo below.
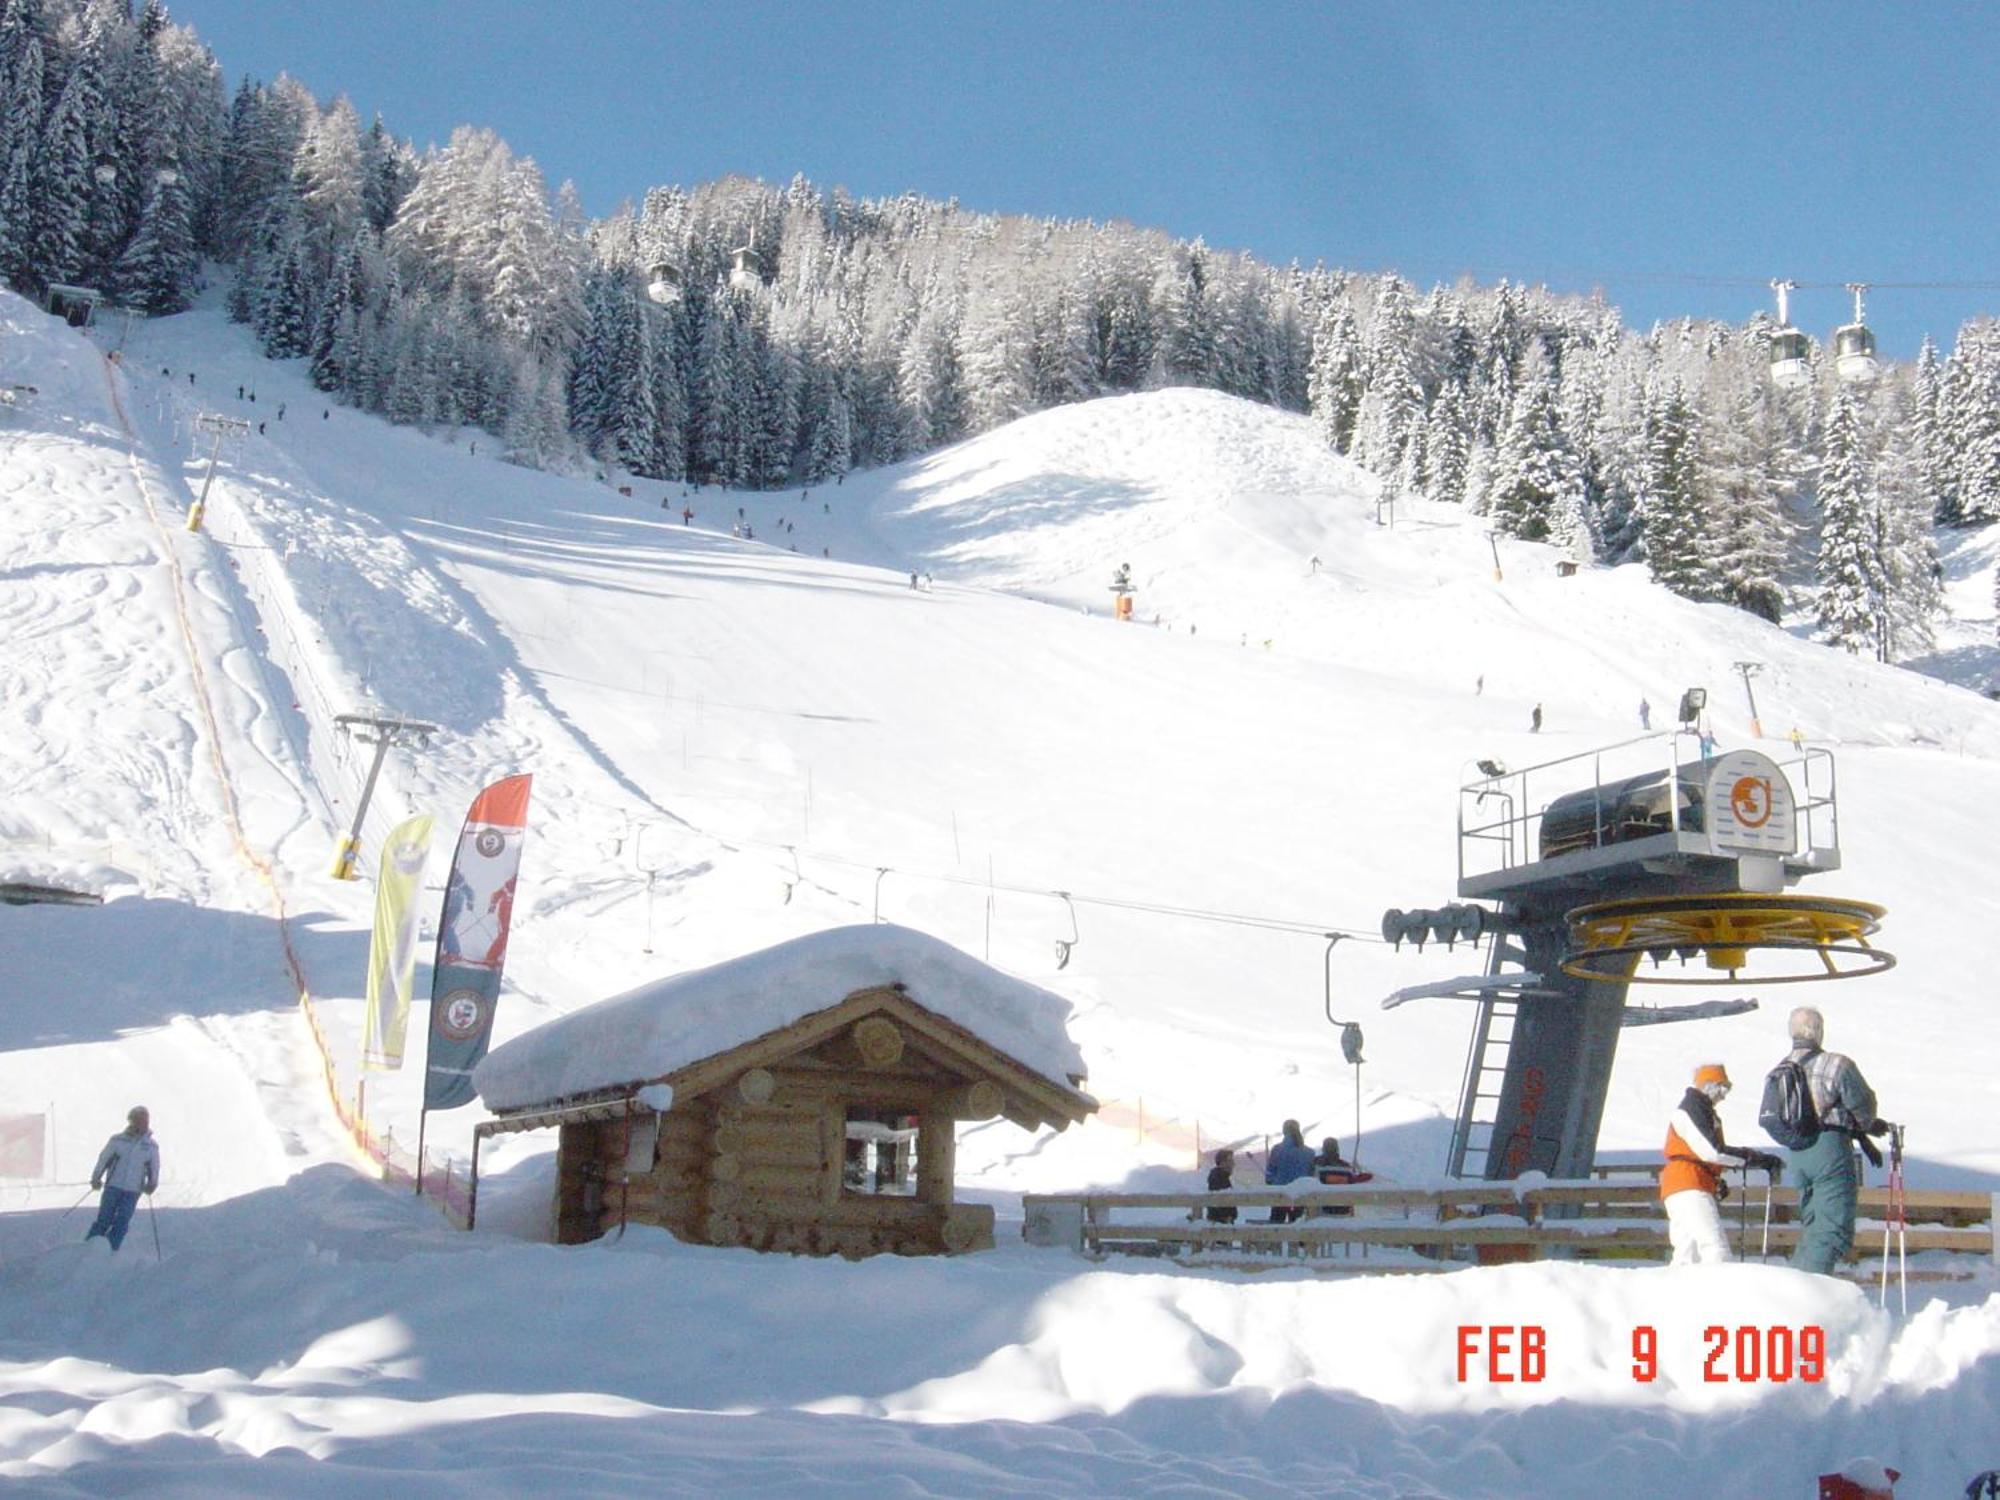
(128, 1165)
(1692, 1183)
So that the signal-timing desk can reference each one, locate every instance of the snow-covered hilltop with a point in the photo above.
(740, 741)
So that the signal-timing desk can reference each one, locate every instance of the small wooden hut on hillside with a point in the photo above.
(805, 1098)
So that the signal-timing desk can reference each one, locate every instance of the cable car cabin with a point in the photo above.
(746, 270)
(663, 283)
(1854, 353)
(1788, 358)
(1620, 811)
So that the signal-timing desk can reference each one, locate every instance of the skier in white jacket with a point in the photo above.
(128, 1165)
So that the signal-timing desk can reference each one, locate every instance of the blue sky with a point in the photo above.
(1675, 156)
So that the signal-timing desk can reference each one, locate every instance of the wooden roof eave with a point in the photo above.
(584, 1108)
(1031, 1100)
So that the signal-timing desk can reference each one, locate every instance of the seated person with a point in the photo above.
(1219, 1181)
(1331, 1166)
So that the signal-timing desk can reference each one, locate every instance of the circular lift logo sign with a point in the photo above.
(1750, 807)
(1750, 800)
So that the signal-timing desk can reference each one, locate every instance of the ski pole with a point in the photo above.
(1743, 1213)
(1770, 1189)
(74, 1206)
(1902, 1218)
(153, 1218)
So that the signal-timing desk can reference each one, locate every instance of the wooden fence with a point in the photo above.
(1476, 1222)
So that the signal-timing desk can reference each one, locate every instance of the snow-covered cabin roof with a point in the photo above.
(659, 1028)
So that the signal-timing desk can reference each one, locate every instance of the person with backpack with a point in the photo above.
(128, 1165)
(1819, 1107)
(1692, 1184)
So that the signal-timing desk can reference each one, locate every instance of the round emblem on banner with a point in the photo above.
(461, 1014)
(489, 842)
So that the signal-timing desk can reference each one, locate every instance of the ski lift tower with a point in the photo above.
(222, 429)
(383, 732)
(1646, 862)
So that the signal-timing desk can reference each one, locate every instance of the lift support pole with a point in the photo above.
(387, 732)
(222, 427)
(1750, 669)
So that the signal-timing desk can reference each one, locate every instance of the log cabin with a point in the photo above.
(805, 1098)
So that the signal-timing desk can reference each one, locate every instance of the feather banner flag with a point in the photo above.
(472, 939)
(392, 955)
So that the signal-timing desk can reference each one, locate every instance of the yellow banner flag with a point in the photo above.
(392, 956)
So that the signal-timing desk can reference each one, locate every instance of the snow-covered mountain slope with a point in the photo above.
(737, 742)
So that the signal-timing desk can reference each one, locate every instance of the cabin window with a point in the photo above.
(881, 1154)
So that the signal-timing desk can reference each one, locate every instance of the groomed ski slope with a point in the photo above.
(712, 710)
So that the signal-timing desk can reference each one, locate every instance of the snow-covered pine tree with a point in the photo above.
(1742, 476)
(1680, 549)
(157, 271)
(1448, 445)
(1186, 353)
(1393, 402)
(64, 180)
(1912, 576)
(21, 151)
(1335, 386)
(1536, 484)
(1931, 461)
(1851, 580)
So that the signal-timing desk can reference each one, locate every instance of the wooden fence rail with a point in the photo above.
(1482, 1221)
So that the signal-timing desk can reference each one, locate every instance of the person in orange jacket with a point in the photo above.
(1691, 1184)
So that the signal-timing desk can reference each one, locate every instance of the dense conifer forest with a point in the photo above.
(808, 332)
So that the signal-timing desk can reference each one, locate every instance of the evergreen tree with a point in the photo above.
(21, 151)
(284, 313)
(1448, 446)
(157, 271)
(1911, 572)
(1393, 404)
(1187, 347)
(1335, 387)
(1674, 517)
(62, 218)
(1742, 475)
(1851, 580)
(1535, 490)
(1928, 443)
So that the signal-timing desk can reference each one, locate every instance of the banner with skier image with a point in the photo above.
(392, 954)
(472, 940)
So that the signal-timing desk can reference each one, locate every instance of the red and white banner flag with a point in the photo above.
(472, 939)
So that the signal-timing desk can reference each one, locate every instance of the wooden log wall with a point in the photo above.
(758, 1161)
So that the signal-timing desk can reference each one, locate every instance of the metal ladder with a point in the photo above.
(1485, 1071)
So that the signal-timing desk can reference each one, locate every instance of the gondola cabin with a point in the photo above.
(663, 283)
(1854, 353)
(1790, 366)
(1790, 353)
(804, 1099)
(1854, 343)
(746, 270)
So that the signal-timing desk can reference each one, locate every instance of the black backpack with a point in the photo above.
(1787, 1115)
